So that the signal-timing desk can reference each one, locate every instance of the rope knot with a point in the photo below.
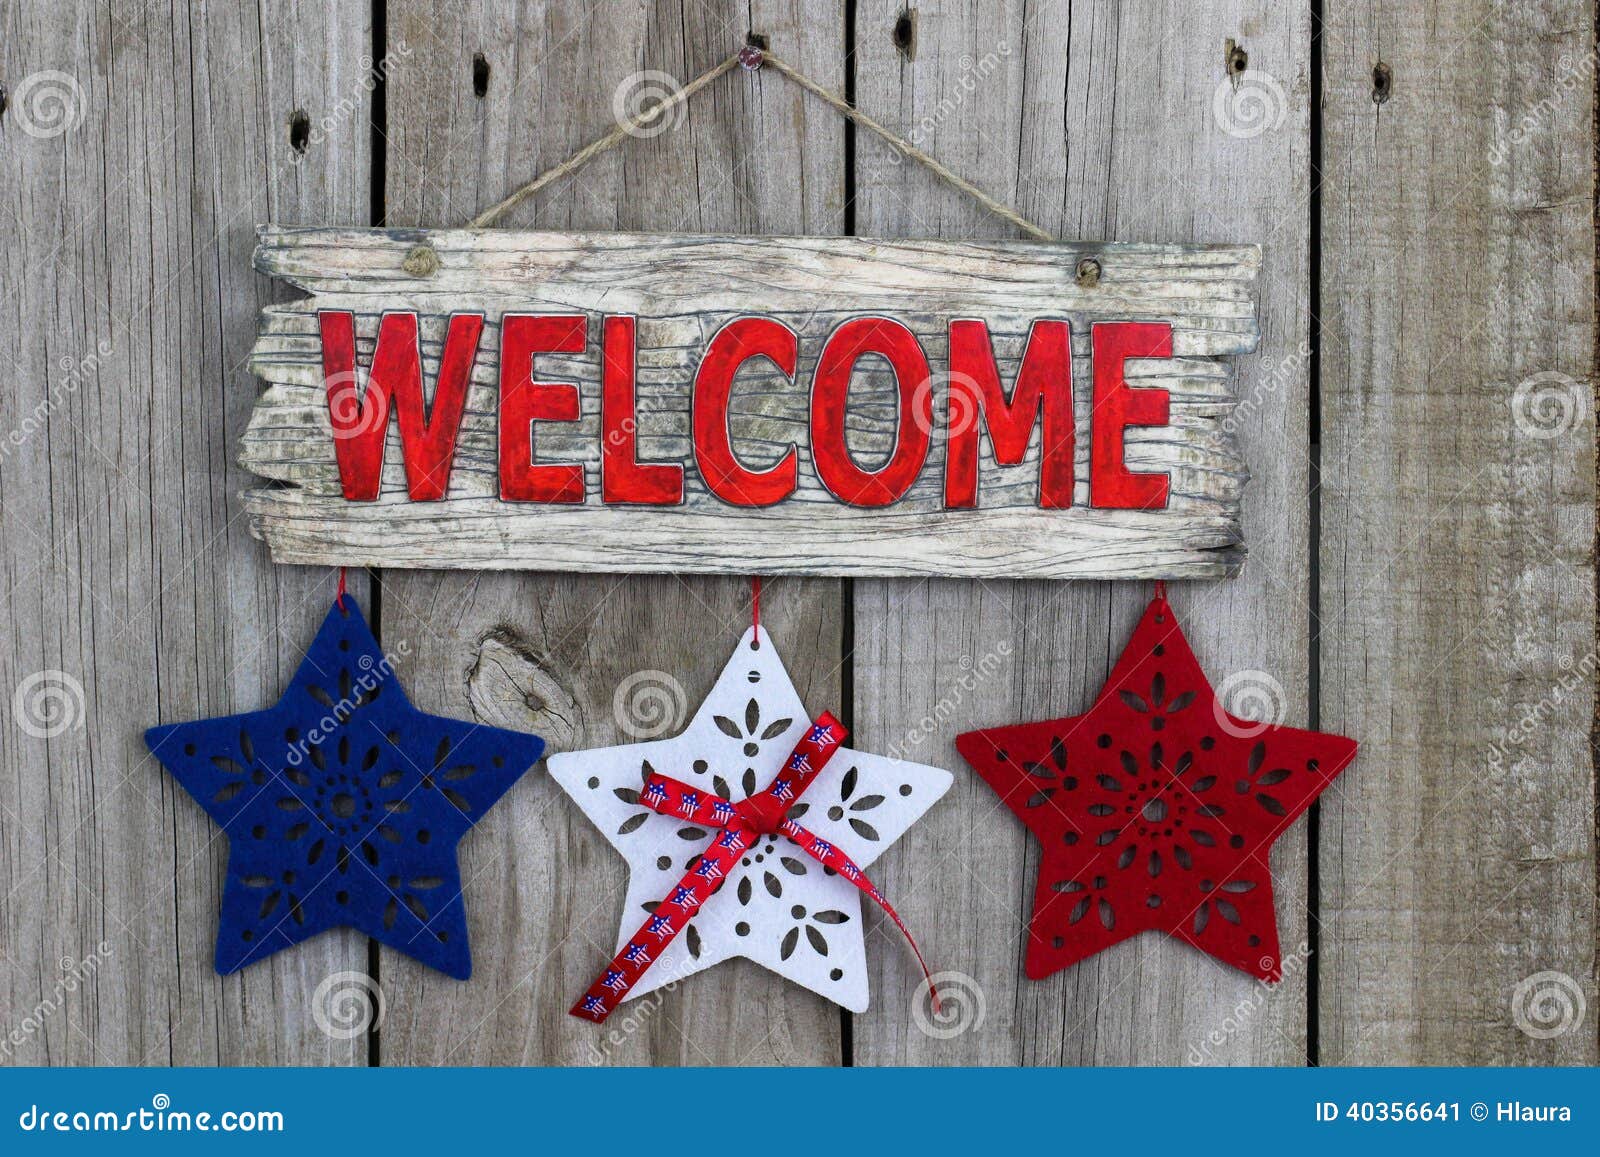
(762, 813)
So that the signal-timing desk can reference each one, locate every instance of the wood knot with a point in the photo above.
(1088, 272)
(422, 261)
(1234, 58)
(1382, 83)
(905, 34)
(299, 131)
(509, 688)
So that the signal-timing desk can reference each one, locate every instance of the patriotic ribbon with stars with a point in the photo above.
(741, 825)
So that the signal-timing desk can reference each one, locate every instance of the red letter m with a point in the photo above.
(1044, 382)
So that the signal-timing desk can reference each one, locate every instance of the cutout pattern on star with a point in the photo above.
(1156, 809)
(343, 805)
(777, 907)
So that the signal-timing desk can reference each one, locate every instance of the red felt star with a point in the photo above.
(1156, 809)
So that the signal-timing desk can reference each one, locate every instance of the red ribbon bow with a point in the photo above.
(741, 826)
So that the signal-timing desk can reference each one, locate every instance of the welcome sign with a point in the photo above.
(617, 402)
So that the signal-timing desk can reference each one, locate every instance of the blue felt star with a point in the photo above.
(343, 805)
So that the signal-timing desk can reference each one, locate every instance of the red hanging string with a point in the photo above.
(755, 606)
(339, 598)
(1161, 589)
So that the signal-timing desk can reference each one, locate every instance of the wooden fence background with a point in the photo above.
(1421, 556)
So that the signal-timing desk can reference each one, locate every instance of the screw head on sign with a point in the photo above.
(1088, 273)
(751, 58)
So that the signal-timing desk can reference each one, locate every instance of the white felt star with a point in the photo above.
(778, 907)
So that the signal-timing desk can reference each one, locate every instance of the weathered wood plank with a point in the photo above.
(130, 581)
(683, 289)
(1094, 122)
(545, 891)
(477, 533)
(638, 273)
(1458, 587)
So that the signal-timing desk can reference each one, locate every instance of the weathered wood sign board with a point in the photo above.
(615, 402)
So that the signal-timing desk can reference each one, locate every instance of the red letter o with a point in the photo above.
(830, 392)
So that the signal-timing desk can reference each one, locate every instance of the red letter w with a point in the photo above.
(361, 419)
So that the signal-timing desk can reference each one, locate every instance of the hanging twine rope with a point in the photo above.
(594, 148)
(752, 59)
(901, 145)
